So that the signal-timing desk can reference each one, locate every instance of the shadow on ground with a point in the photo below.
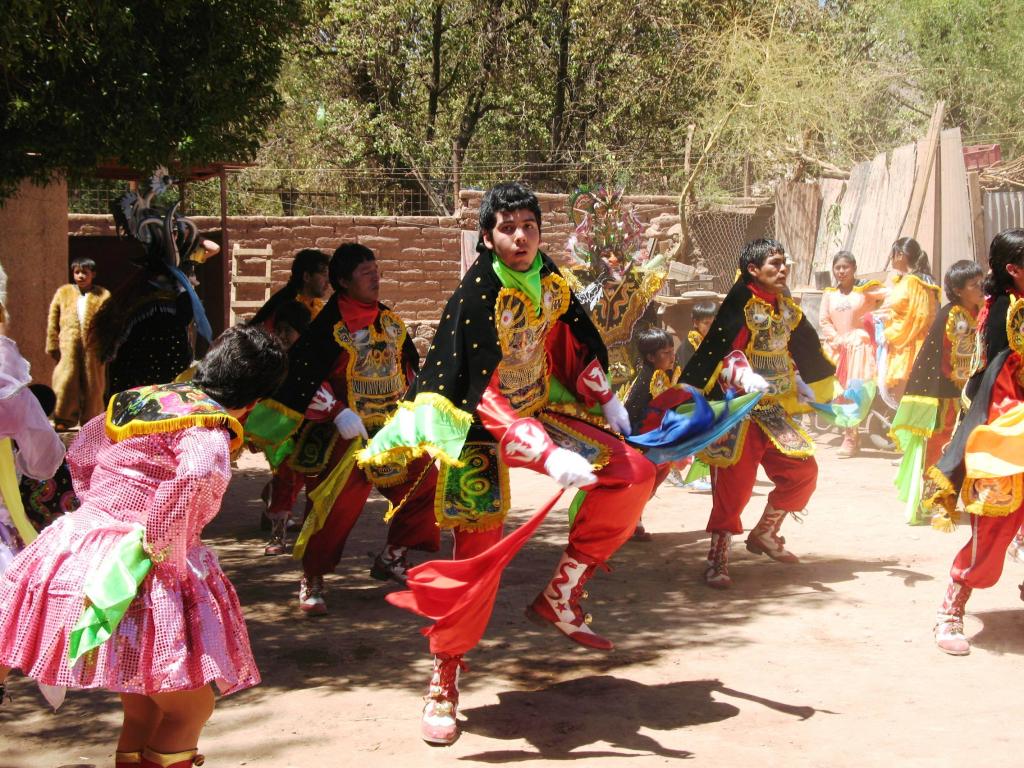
(653, 600)
(1002, 631)
(560, 721)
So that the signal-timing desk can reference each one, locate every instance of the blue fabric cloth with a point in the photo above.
(692, 427)
(198, 313)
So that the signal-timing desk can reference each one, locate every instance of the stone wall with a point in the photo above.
(420, 256)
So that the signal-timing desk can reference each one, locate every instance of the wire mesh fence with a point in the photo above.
(265, 191)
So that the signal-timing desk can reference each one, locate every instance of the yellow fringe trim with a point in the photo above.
(440, 402)
(323, 498)
(403, 454)
(137, 428)
(942, 501)
(281, 408)
(728, 461)
(484, 522)
(798, 453)
(943, 523)
(604, 453)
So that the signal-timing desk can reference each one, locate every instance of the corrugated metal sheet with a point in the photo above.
(1003, 210)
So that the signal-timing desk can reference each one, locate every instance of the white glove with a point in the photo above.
(569, 469)
(616, 416)
(737, 374)
(804, 393)
(350, 425)
(751, 381)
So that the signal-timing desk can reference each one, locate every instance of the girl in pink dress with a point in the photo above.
(158, 462)
(842, 328)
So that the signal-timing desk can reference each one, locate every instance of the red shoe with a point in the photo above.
(127, 759)
(186, 759)
(558, 604)
(438, 724)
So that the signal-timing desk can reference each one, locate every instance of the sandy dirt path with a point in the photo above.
(829, 662)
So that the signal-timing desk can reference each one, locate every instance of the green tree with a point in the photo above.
(178, 82)
(966, 52)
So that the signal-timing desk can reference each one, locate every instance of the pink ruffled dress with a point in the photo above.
(185, 628)
(845, 334)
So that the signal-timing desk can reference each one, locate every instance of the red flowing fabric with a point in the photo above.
(459, 594)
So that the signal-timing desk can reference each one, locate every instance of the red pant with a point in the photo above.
(980, 562)
(284, 490)
(607, 517)
(948, 410)
(731, 487)
(413, 526)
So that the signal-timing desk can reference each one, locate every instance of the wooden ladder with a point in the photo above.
(237, 255)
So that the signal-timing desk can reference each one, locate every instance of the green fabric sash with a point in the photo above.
(910, 480)
(698, 469)
(913, 424)
(429, 424)
(528, 282)
(108, 593)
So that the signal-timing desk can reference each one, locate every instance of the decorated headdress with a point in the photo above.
(614, 275)
(169, 240)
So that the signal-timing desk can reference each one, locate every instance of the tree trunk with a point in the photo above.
(561, 82)
(435, 69)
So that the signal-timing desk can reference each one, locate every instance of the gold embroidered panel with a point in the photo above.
(960, 331)
(522, 334)
(374, 377)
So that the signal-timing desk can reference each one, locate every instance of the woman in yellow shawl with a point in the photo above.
(907, 314)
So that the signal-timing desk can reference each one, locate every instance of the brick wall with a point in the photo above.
(420, 256)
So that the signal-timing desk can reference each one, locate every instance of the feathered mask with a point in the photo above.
(168, 238)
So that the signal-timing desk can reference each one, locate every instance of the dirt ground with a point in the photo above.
(829, 662)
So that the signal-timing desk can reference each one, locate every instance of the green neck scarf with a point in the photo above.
(528, 282)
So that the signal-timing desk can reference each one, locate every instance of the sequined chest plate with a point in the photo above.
(374, 377)
(522, 334)
(768, 348)
(960, 332)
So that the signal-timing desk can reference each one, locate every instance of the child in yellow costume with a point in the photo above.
(907, 313)
(78, 379)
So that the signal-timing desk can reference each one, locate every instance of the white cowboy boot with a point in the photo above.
(949, 623)
(438, 725)
(558, 603)
(716, 570)
(764, 539)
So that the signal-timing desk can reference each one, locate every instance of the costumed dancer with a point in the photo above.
(656, 374)
(306, 286)
(37, 450)
(122, 594)
(143, 331)
(347, 374)
(982, 465)
(760, 341)
(931, 405)
(697, 473)
(78, 378)
(844, 323)
(906, 315)
(511, 337)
